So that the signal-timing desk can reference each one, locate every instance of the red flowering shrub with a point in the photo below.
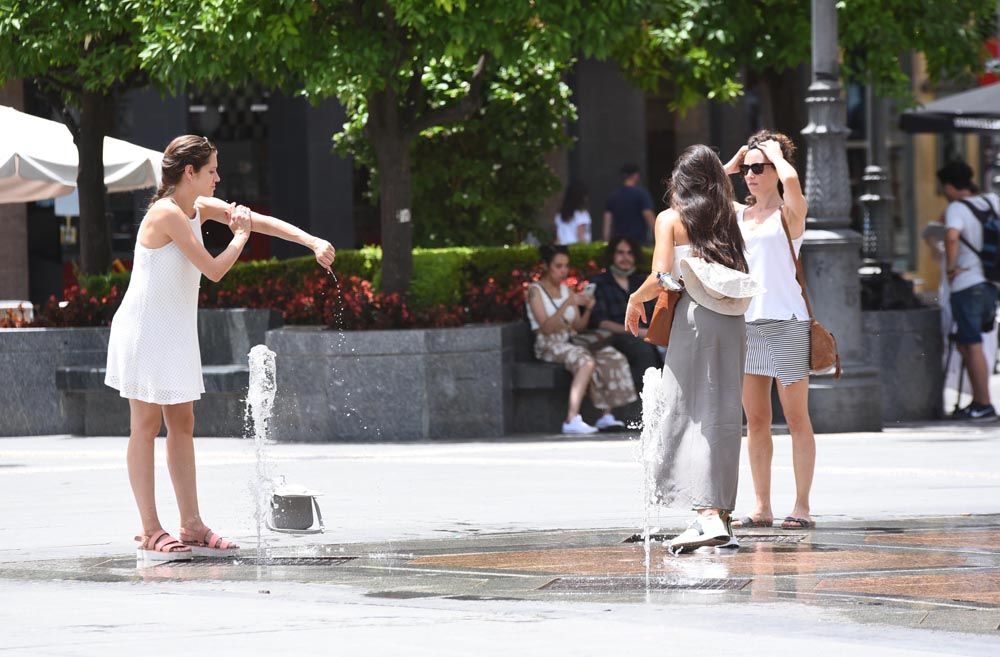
(77, 309)
(348, 303)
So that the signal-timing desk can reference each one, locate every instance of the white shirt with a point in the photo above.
(552, 306)
(566, 231)
(772, 266)
(959, 217)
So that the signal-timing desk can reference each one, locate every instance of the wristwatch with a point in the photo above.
(667, 281)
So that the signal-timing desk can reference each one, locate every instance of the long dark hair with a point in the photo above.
(575, 199)
(701, 192)
(548, 252)
(182, 151)
(787, 151)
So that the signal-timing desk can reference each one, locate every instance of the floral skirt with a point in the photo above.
(611, 383)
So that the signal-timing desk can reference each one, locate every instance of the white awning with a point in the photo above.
(38, 160)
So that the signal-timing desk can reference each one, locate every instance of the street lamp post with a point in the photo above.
(831, 252)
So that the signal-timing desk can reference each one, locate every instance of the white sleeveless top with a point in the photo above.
(772, 266)
(552, 306)
(153, 351)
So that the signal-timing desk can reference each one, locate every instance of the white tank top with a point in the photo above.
(772, 266)
(551, 306)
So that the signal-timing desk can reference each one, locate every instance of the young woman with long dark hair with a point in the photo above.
(554, 311)
(698, 242)
(153, 353)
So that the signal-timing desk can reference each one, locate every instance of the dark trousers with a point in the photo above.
(641, 355)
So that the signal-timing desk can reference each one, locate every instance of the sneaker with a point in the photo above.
(982, 413)
(974, 411)
(578, 426)
(705, 530)
(732, 543)
(609, 421)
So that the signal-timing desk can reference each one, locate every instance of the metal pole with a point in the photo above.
(877, 198)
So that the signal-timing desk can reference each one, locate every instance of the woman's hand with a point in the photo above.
(581, 299)
(325, 253)
(634, 312)
(772, 150)
(733, 166)
(239, 220)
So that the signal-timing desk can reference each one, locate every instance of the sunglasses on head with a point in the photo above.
(757, 168)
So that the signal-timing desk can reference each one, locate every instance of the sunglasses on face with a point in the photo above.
(757, 168)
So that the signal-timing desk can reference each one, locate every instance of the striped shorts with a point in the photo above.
(778, 348)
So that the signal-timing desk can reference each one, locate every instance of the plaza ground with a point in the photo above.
(504, 547)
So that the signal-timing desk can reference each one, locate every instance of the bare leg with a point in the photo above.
(975, 362)
(795, 405)
(180, 461)
(760, 447)
(144, 421)
(581, 379)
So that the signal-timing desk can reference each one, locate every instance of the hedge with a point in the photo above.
(440, 276)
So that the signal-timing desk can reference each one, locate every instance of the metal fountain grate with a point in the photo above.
(743, 538)
(626, 584)
(230, 562)
(260, 561)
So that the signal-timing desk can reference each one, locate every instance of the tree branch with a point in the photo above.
(458, 110)
(45, 87)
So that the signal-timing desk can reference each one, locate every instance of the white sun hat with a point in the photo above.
(717, 287)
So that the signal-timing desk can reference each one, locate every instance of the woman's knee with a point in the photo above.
(146, 427)
(180, 420)
(798, 423)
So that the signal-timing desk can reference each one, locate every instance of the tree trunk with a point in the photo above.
(395, 202)
(95, 229)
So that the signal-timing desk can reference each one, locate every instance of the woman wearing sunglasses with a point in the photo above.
(777, 321)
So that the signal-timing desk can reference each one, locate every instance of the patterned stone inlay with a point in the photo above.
(957, 538)
(760, 560)
(976, 587)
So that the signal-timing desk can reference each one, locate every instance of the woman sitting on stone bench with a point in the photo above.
(554, 314)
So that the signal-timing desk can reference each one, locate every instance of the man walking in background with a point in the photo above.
(973, 298)
(629, 211)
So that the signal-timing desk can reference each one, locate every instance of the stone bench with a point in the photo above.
(101, 411)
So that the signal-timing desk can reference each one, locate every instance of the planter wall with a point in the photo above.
(30, 403)
(393, 385)
(907, 348)
(56, 377)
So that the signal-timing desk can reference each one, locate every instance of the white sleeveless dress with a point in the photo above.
(153, 352)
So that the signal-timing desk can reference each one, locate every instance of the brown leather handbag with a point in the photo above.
(662, 320)
(823, 352)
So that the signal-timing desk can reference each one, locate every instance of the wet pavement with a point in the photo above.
(941, 573)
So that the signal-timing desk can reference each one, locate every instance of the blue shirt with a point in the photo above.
(626, 205)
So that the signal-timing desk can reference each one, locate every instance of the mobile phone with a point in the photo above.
(589, 290)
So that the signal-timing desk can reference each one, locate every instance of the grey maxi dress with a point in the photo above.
(701, 422)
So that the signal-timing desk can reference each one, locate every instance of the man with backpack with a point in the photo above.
(972, 249)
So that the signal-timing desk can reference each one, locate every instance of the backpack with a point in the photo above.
(990, 253)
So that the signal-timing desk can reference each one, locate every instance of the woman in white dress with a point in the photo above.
(153, 352)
